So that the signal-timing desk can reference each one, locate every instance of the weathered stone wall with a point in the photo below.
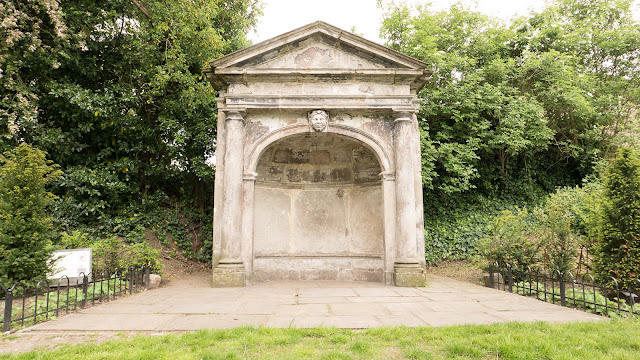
(318, 158)
(318, 210)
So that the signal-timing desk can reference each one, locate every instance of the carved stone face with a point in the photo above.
(319, 120)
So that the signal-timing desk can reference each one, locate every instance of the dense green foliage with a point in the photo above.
(512, 240)
(540, 340)
(618, 250)
(114, 92)
(593, 227)
(558, 235)
(25, 222)
(514, 110)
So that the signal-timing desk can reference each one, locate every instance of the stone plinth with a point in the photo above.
(318, 164)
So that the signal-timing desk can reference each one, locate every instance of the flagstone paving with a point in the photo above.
(309, 304)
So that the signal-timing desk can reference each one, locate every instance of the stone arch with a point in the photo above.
(371, 142)
(318, 208)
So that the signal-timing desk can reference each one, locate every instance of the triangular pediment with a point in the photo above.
(317, 53)
(318, 46)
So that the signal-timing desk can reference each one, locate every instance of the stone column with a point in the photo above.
(219, 183)
(230, 270)
(419, 196)
(248, 188)
(389, 213)
(407, 269)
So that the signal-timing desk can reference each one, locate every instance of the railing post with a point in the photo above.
(58, 298)
(563, 297)
(595, 291)
(510, 278)
(544, 283)
(85, 288)
(573, 288)
(131, 278)
(8, 304)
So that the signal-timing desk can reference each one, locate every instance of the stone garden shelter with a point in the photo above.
(318, 161)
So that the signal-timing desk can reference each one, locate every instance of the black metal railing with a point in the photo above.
(25, 306)
(579, 292)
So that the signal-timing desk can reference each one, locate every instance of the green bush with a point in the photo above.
(552, 235)
(511, 239)
(75, 240)
(618, 248)
(454, 237)
(554, 220)
(25, 223)
(585, 203)
(111, 254)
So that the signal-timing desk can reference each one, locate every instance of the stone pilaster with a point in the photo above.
(389, 203)
(248, 189)
(230, 269)
(417, 159)
(218, 203)
(407, 268)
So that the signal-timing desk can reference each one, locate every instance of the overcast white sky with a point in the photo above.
(281, 16)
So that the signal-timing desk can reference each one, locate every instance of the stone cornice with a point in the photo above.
(221, 78)
(362, 102)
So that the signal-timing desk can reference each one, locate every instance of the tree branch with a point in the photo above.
(142, 8)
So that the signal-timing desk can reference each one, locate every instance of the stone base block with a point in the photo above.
(341, 268)
(154, 281)
(409, 275)
(228, 275)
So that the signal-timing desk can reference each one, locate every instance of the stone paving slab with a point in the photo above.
(309, 304)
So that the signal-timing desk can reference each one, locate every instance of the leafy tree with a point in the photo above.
(514, 110)
(33, 35)
(618, 253)
(541, 99)
(476, 117)
(25, 223)
(593, 101)
(114, 91)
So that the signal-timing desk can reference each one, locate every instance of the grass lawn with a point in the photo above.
(617, 339)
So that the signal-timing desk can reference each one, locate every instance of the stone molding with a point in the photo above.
(249, 176)
(355, 102)
(235, 114)
(402, 116)
(388, 176)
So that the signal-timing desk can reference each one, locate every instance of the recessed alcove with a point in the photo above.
(318, 210)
